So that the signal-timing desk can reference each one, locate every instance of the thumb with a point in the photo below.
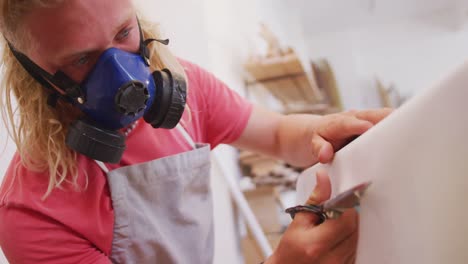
(322, 149)
(321, 193)
(322, 189)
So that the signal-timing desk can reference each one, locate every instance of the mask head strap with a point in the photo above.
(59, 79)
(72, 89)
(144, 50)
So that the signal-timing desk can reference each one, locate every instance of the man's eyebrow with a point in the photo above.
(68, 58)
(70, 55)
(124, 23)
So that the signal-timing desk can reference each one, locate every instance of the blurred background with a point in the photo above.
(302, 56)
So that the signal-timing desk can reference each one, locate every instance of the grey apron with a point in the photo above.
(163, 209)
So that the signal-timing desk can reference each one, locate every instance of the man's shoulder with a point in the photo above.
(27, 187)
(64, 212)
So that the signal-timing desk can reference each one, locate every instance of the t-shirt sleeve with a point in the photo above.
(225, 112)
(30, 237)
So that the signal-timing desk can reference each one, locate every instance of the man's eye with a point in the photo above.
(123, 34)
(83, 60)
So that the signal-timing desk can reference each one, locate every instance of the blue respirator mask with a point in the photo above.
(118, 91)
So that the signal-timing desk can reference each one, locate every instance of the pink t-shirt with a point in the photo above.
(77, 226)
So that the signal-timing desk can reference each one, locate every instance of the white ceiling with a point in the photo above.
(320, 16)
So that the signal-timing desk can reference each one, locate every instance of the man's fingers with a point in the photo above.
(341, 128)
(322, 148)
(344, 127)
(322, 189)
(321, 193)
(344, 252)
(373, 116)
(333, 231)
(324, 238)
(351, 126)
(305, 219)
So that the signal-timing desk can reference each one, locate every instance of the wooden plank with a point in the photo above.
(284, 89)
(295, 94)
(260, 72)
(273, 66)
(384, 96)
(285, 77)
(327, 82)
(304, 87)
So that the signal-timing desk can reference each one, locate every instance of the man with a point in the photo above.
(94, 182)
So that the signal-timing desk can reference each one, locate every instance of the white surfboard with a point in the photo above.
(416, 210)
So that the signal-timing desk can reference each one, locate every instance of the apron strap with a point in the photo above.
(186, 135)
(102, 166)
(179, 127)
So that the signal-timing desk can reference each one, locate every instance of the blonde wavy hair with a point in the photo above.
(37, 129)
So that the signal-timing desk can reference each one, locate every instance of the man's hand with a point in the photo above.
(332, 132)
(303, 139)
(332, 242)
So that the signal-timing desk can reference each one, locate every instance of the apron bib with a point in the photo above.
(163, 209)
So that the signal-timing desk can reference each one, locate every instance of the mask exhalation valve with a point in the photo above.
(131, 98)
